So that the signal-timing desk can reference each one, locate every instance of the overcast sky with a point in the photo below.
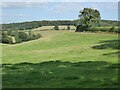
(35, 11)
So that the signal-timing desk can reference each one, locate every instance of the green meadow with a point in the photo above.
(64, 59)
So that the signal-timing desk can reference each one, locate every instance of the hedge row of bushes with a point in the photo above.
(19, 37)
(6, 39)
(105, 29)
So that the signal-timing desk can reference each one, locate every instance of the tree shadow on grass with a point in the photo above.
(109, 44)
(113, 44)
(112, 53)
(57, 74)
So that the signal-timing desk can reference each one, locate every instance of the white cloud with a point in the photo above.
(22, 4)
(65, 7)
(18, 15)
(13, 17)
(60, 0)
(39, 3)
(24, 0)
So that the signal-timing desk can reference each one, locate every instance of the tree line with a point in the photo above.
(36, 24)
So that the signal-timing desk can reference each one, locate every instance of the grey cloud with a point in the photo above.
(22, 4)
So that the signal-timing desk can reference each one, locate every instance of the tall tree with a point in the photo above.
(87, 17)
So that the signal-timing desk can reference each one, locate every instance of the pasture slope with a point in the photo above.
(62, 59)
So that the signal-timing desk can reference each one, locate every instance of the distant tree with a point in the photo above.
(68, 27)
(35, 24)
(112, 29)
(33, 36)
(37, 36)
(16, 35)
(87, 16)
(56, 27)
(9, 32)
(30, 33)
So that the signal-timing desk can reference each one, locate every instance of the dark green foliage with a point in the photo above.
(6, 39)
(19, 36)
(16, 35)
(107, 23)
(9, 32)
(33, 36)
(27, 37)
(57, 74)
(23, 36)
(68, 27)
(56, 27)
(104, 29)
(87, 17)
(80, 28)
(112, 29)
(35, 24)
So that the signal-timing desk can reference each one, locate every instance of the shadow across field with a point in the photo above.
(57, 74)
(113, 53)
(113, 44)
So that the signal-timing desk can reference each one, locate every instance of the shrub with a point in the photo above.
(33, 36)
(19, 37)
(56, 27)
(23, 36)
(117, 30)
(80, 28)
(6, 39)
(9, 32)
(104, 29)
(38, 36)
(68, 27)
(112, 29)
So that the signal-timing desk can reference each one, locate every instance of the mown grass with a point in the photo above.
(57, 45)
(52, 28)
(57, 74)
(81, 61)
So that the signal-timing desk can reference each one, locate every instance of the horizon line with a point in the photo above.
(50, 20)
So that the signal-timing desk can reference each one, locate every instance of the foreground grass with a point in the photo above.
(57, 74)
(83, 60)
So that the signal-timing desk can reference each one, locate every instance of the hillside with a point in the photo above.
(62, 59)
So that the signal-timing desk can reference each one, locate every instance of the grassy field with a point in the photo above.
(52, 28)
(62, 59)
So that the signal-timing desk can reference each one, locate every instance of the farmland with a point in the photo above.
(62, 59)
(60, 45)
